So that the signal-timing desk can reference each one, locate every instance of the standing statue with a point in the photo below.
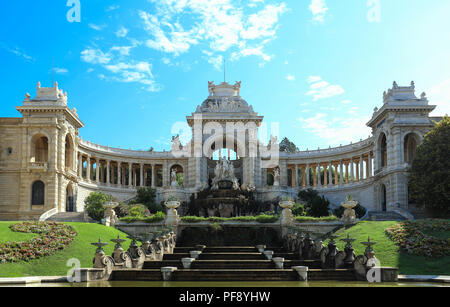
(173, 178)
(211, 88)
(237, 88)
(276, 177)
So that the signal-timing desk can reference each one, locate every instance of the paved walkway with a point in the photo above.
(426, 278)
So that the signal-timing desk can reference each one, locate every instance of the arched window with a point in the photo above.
(383, 151)
(38, 193)
(270, 178)
(410, 147)
(39, 148)
(69, 152)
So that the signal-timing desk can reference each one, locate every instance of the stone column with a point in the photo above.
(352, 175)
(330, 173)
(80, 166)
(347, 175)
(336, 174)
(325, 175)
(165, 174)
(369, 174)
(303, 176)
(130, 174)
(319, 177)
(361, 168)
(88, 168)
(296, 176)
(307, 175)
(357, 170)
(97, 170)
(108, 170)
(153, 175)
(341, 172)
(119, 173)
(142, 175)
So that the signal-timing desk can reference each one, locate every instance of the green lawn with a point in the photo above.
(388, 252)
(55, 265)
(6, 235)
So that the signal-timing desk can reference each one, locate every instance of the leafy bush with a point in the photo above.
(155, 218)
(138, 211)
(122, 210)
(315, 205)
(52, 237)
(299, 210)
(147, 196)
(94, 204)
(359, 210)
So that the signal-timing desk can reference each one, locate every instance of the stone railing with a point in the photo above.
(48, 214)
(38, 166)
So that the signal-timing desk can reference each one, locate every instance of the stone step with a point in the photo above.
(70, 217)
(225, 249)
(385, 216)
(232, 275)
(217, 256)
(232, 264)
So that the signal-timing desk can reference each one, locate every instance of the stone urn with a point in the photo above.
(287, 218)
(172, 217)
(110, 215)
(349, 216)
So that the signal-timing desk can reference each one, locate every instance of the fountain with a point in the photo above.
(349, 216)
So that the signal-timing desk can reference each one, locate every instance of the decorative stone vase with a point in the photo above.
(187, 262)
(349, 216)
(279, 262)
(172, 217)
(260, 248)
(268, 254)
(302, 272)
(287, 218)
(195, 254)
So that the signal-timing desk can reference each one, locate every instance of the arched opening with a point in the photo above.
(70, 204)
(410, 147)
(38, 193)
(383, 151)
(383, 198)
(270, 178)
(39, 148)
(69, 152)
(176, 176)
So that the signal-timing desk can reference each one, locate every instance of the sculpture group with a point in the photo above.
(224, 171)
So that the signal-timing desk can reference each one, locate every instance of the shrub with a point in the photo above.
(299, 210)
(122, 210)
(94, 204)
(316, 205)
(138, 211)
(155, 218)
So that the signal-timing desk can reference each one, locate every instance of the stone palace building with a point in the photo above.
(45, 167)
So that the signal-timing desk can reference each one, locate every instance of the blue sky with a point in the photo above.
(135, 68)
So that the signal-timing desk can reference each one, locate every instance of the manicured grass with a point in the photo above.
(6, 235)
(55, 265)
(388, 252)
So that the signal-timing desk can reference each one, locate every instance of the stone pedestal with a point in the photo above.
(268, 254)
(260, 248)
(279, 262)
(167, 273)
(302, 272)
(172, 217)
(187, 262)
(195, 254)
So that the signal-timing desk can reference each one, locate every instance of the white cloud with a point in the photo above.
(439, 95)
(112, 8)
(319, 9)
(290, 78)
(320, 89)
(96, 27)
(95, 56)
(60, 70)
(219, 23)
(122, 32)
(336, 131)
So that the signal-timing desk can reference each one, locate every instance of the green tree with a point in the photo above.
(288, 146)
(147, 196)
(315, 205)
(429, 176)
(94, 204)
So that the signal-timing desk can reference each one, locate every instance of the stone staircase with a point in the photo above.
(385, 216)
(230, 264)
(70, 217)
